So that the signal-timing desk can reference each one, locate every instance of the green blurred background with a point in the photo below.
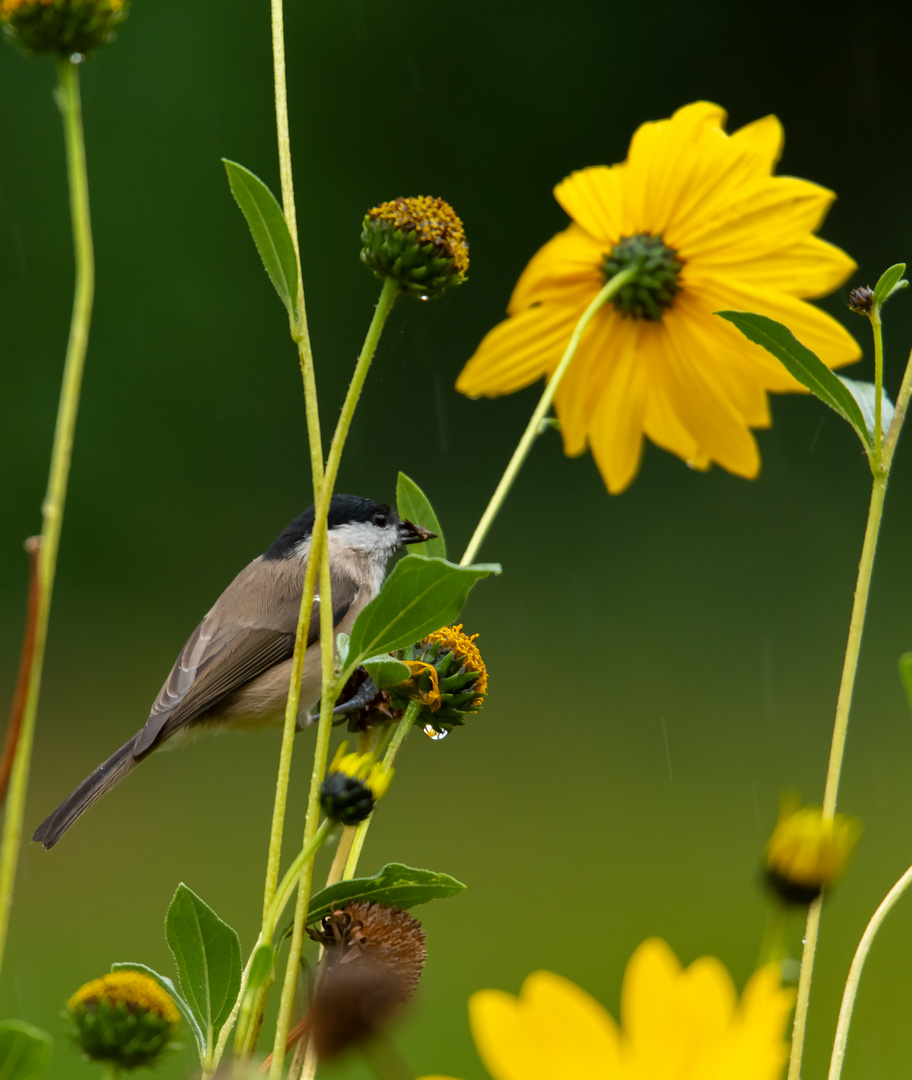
(662, 664)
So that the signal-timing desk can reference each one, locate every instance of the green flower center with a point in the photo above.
(652, 291)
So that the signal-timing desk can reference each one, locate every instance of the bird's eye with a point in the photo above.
(379, 519)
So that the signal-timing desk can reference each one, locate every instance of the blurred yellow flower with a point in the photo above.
(678, 1024)
(807, 852)
(718, 231)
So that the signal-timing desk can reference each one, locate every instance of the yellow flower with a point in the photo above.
(353, 784)
(678, 1024)
(808, 853)
(719, 231)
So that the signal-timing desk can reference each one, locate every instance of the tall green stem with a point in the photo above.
(877, 328)
(534, 427)
(388, 294)
(844, 701)
(301, 336)
(55, 499)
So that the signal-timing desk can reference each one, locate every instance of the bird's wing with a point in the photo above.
(223, 654)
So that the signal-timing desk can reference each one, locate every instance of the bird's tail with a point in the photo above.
(107, 774)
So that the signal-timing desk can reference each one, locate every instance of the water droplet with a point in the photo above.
(435, 733)
(424, 296)
(77, 57)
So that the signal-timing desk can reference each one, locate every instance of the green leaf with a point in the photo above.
(803, 364)
(905, 673)
(386, 670)
(402, 886)
(865, 394)
(419, 596)
(208, 957)
(889, 283)
(269, 231)
(414, 505)
(25, 1051)
(182, 1006)
(260, 967)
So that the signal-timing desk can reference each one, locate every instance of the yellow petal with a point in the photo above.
(520, 350)
(705, 410)
(763, 140)
(583, 386)
(595, 199)
(616, 428)
(814, 328)
(647, 1003)
(568, 266)
(670, 162)
(506, 1038)
(578, 1037)
(810, 267)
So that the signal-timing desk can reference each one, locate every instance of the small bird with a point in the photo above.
(235, 669)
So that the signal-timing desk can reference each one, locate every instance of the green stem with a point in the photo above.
(61, 454)
(403, 728)
(285, 889)
(534, 427)
(305, 882)
(301, 336)
(851, 987)
(877, 329)
(844, 701)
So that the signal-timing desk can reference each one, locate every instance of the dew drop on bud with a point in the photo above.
(435, 733)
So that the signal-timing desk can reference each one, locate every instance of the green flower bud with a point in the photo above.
(124, 1018)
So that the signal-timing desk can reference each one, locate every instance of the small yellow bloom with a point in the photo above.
(677, 1024)
(124, 1018)
(716, 230)
(807, 853)
(353, 784)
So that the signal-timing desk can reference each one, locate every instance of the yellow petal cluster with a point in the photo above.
(677, 1024)
(689, 381)
(131, 988)
(808, 853)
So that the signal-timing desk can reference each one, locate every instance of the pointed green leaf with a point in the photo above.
(414, 505)
(182, 1006)
(807, 368)
(420, 596)
(208, 957)
(888, 283)
(269, 231)
(25, 1051)
(865, 394)
(386, 670)
(402, 886)
(905, 673)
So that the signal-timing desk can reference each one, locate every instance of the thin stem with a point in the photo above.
(534, 427)
(285, 889)
(844, 701)
(877, 328)
(403, 728)
(321, 754)
(851, 987)
(804, 989)
(61, 454)
(301, 336)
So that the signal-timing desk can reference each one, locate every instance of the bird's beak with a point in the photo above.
(414, 534)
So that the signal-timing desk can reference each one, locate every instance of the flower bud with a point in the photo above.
(861, 300)
(353, 784)
(124, 1018)
(66, 27)
(418, 241)
(808, 853)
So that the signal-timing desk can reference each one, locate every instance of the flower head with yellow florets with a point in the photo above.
(707, 226)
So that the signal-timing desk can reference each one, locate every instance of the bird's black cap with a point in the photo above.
(343, 509)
